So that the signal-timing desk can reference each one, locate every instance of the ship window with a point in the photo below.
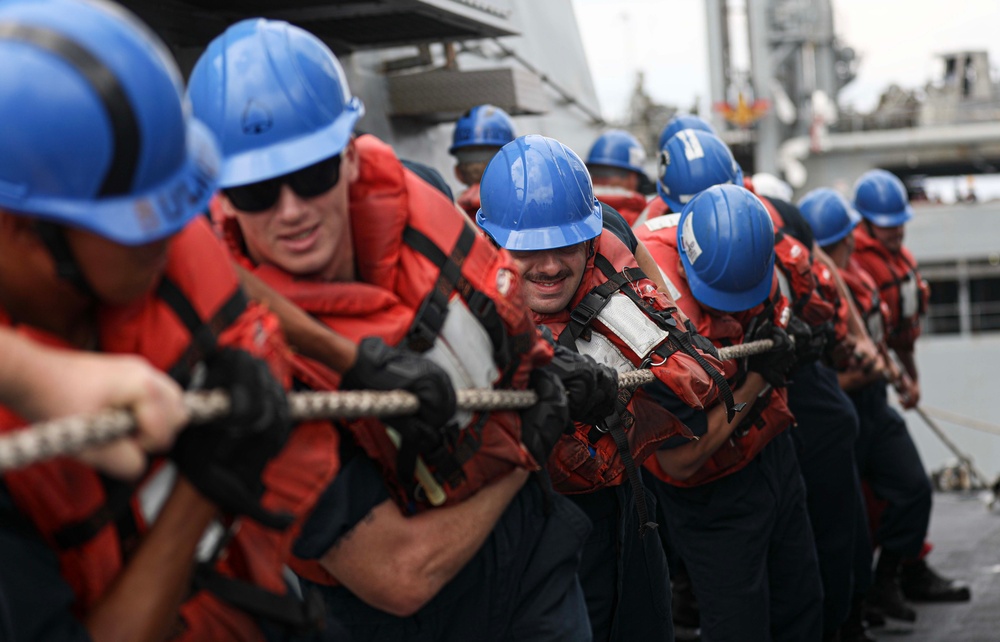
(984, 304)
(943, 315)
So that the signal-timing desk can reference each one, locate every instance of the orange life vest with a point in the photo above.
(197, 306)
(422, 267)
(771, 416)
(655, 208)
(865, 292)
(905, 293)
(626, 202)
(802, 287)
(618, 317)
(468, 200)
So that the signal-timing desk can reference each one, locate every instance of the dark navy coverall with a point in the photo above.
(825, 438)
(748, 547)
(888, 460)
(520, 586)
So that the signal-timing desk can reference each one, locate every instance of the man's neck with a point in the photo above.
(342, 268)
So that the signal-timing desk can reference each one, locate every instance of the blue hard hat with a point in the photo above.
(881, 198)
(829, 215)
(536, 194)
(482, 126)
(275, 96)
(694, 160)
(96, 134)
(618, 148)
(683, 121)
(726, 242)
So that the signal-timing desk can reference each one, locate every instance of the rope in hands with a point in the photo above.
(65, 436)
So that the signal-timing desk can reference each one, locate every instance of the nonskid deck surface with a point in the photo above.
(966, 538)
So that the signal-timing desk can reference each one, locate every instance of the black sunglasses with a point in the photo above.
(307, 182)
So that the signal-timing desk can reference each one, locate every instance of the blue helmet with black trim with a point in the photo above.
(96, 133)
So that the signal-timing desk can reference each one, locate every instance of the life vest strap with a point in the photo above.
(299, 615)
(677, 338)
(615, 427)
(434, 309)
(203, 334)
(115, 509)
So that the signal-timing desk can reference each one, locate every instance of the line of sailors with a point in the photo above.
(329, 264)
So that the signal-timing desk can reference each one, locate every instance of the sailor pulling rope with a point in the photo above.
(68, 435)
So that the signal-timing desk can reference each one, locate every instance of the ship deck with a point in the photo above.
(966, 538)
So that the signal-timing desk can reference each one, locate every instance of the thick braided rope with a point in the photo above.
(49, 439)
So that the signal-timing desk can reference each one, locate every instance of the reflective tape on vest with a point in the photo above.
(153, 495)
(909, 297)
(630, 324)
(663, 222)
(464, 350)
(784, 285)
(876, 327)
(601, 350)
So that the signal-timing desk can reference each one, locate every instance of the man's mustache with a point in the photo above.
(547, 278)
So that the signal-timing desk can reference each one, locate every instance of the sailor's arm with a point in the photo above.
(142, 603)
(398, 564)
(683, 461)
(864, 347)
(911, 399)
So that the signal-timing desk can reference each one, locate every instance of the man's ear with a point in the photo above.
(350, 155)
(221, 208)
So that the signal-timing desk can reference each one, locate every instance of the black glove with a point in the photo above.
(702, 343)
(809, 343)
(382, 367)
(544, 423)
(775, 364)
(224, 459)
(592, 387)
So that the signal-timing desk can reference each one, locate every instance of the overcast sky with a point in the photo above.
(897, 40)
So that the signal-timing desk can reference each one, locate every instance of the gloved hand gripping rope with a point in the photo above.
(69, 435)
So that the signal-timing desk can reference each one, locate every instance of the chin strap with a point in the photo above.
(67, 267)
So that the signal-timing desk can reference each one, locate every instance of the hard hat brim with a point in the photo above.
(879, 219)
(610, 162)
(255, 165)
(141, 218)
(545, 238)
(728, 301)
(835, 238)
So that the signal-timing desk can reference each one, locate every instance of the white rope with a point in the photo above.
(69, 435)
